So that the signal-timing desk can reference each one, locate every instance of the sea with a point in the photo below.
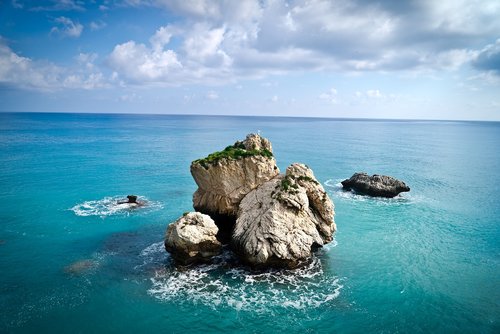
(73, 261)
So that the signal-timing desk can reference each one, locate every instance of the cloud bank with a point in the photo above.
(221, 41)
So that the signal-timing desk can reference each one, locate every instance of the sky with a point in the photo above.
(422, 59)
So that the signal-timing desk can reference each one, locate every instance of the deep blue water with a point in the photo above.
(428, 261)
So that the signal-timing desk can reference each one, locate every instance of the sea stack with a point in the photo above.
(267, 218)
(282, 221)
(375, 185)
(225, 177)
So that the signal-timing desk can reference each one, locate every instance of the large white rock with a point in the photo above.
(223, 182)
(192, 238)
(283, 220)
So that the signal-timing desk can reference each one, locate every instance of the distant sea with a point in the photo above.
(427, 261)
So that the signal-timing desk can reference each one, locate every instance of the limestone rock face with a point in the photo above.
(256, 142)
(192, 238)
(225, 177)
(375, 185)
(283, 220)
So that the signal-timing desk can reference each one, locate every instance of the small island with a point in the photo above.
(268, 219)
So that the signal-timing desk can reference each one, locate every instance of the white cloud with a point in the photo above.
(225, 40)
(203, 45)
(67, 27)
(274, 99)
(22, 72)
(374, 94)
(212, 95)
(97, 25)
(61, 5)
(199, 59)
(161, 38)
(140, 63)
(330, 96)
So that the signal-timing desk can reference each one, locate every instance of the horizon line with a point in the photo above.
(238, 115)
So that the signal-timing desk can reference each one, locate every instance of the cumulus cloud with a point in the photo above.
(224, 40)
(330, 96)
(140, 63)
(23, 72)
(199, 58)
(67, 28)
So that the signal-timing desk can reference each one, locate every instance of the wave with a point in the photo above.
(108, 206)
(337, 191)
(227, 283)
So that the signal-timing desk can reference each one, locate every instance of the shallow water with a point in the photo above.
(71, 260)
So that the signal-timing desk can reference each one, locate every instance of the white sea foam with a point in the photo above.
(152, 249)
(109, 206)
(154, 253)
(224, 284)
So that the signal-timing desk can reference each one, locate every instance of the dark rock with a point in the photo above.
(375, 185)
(132, 198)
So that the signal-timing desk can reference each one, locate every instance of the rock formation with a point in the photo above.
(283, 220)
(192, 238)
(225, 177)
(132, 199)
(375, 185)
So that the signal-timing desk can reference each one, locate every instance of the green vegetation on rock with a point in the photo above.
(307, 178)
(233, 152)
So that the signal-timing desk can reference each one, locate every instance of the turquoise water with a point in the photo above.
(428, 261)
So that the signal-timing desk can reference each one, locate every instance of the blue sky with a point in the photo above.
(421, 59)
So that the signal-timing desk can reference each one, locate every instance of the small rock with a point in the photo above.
(192, 238)
(375, 185)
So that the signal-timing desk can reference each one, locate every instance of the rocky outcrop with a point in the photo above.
(283, 220)
(375, 185)
(225, 177)
(132, 200)
(192, 238)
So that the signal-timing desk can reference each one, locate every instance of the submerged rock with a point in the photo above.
(192, 238)
(80, 267)
(283, 220)
(375, 185)
(225, 177)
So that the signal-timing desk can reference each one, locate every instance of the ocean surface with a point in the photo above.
(71, 261)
